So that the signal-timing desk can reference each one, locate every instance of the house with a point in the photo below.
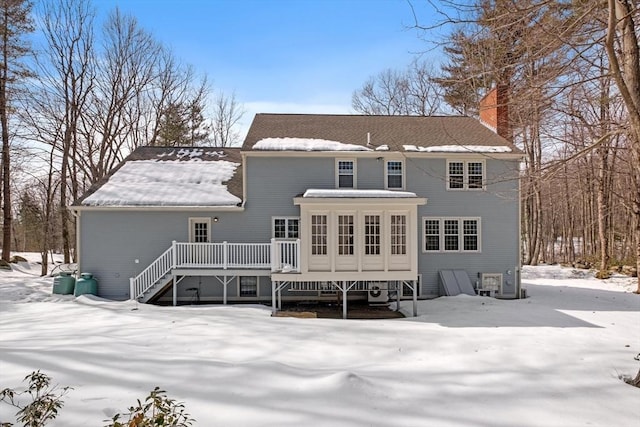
(310, 207)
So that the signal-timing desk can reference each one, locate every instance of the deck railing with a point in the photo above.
(279, 255)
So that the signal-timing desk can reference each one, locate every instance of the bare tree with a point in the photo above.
(412, 91)
(621, 43)
(66, 71)
(226, 114)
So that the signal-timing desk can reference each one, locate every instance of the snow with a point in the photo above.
(553, 359)
(305, 144)
(168, 183)
(354, 194)
(458, 149)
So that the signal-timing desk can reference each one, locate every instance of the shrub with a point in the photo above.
(45, 400)
(157, 410)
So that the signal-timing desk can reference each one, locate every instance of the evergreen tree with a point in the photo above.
(15, 24)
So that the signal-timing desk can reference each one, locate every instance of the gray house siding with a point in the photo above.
(111, 241)
(497, 207)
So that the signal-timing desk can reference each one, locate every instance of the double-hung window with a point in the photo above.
(345, 235)
(318, 234)
(345, 173)
(394, 175)
(248, 286)
(451, 235)
(286, 228)
(465, 174)
(398, 234)
(372, 234)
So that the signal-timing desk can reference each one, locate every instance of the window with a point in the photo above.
(470, 235)
(248, 286)
(286, 228)
(394, 175)
(474, 175)
(465, 175)
(398, 234)
(345, 234)
(431, 235)
(199, 230)
(451, 234)
(372, 234)
(346, 174)
(318, 234)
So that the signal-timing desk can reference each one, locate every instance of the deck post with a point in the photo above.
(175, 290)
(279, 298)
(131, 289)
(344, 301)
(415, 298)
(273, 298)
(225, 255)
(224, 291)
(174, 253)
(298, 252)
(272, 254)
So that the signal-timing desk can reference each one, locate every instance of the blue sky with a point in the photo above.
(284, 55)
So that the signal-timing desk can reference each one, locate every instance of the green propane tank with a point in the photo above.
(64, 284)
(86, 284)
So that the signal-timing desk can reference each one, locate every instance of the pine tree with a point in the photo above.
(15, 23)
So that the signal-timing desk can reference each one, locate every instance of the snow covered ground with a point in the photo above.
(553, 359)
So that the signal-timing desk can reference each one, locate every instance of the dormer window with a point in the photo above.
(346, 174)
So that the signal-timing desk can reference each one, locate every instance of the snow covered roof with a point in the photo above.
(356, 194)
(161, 176)
(305, 144)
(329, 132)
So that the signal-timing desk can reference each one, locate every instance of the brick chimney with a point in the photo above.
(494, 111)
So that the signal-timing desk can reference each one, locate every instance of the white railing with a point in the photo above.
(151, 275)
(279, 255)
(285, 255)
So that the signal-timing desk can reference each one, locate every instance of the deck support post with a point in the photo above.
(398, 290)
(415, 298)
(274, 309)
(224, 291)
(279, 298)
(344, 302)
(175, 290)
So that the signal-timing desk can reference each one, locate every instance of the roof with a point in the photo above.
(171, 176)
(357, 194)
(324, 132)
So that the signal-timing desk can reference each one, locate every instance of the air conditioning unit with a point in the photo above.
(491, 284)
(378, 292)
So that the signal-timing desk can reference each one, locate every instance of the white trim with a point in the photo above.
(386, 174)
(465, 174)
(344, 201)
(461, 234)
(375, 154)
(355, 171)
(160, 208)
(199, 220)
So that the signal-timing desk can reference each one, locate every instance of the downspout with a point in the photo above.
(244, 179)
(76, 215)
